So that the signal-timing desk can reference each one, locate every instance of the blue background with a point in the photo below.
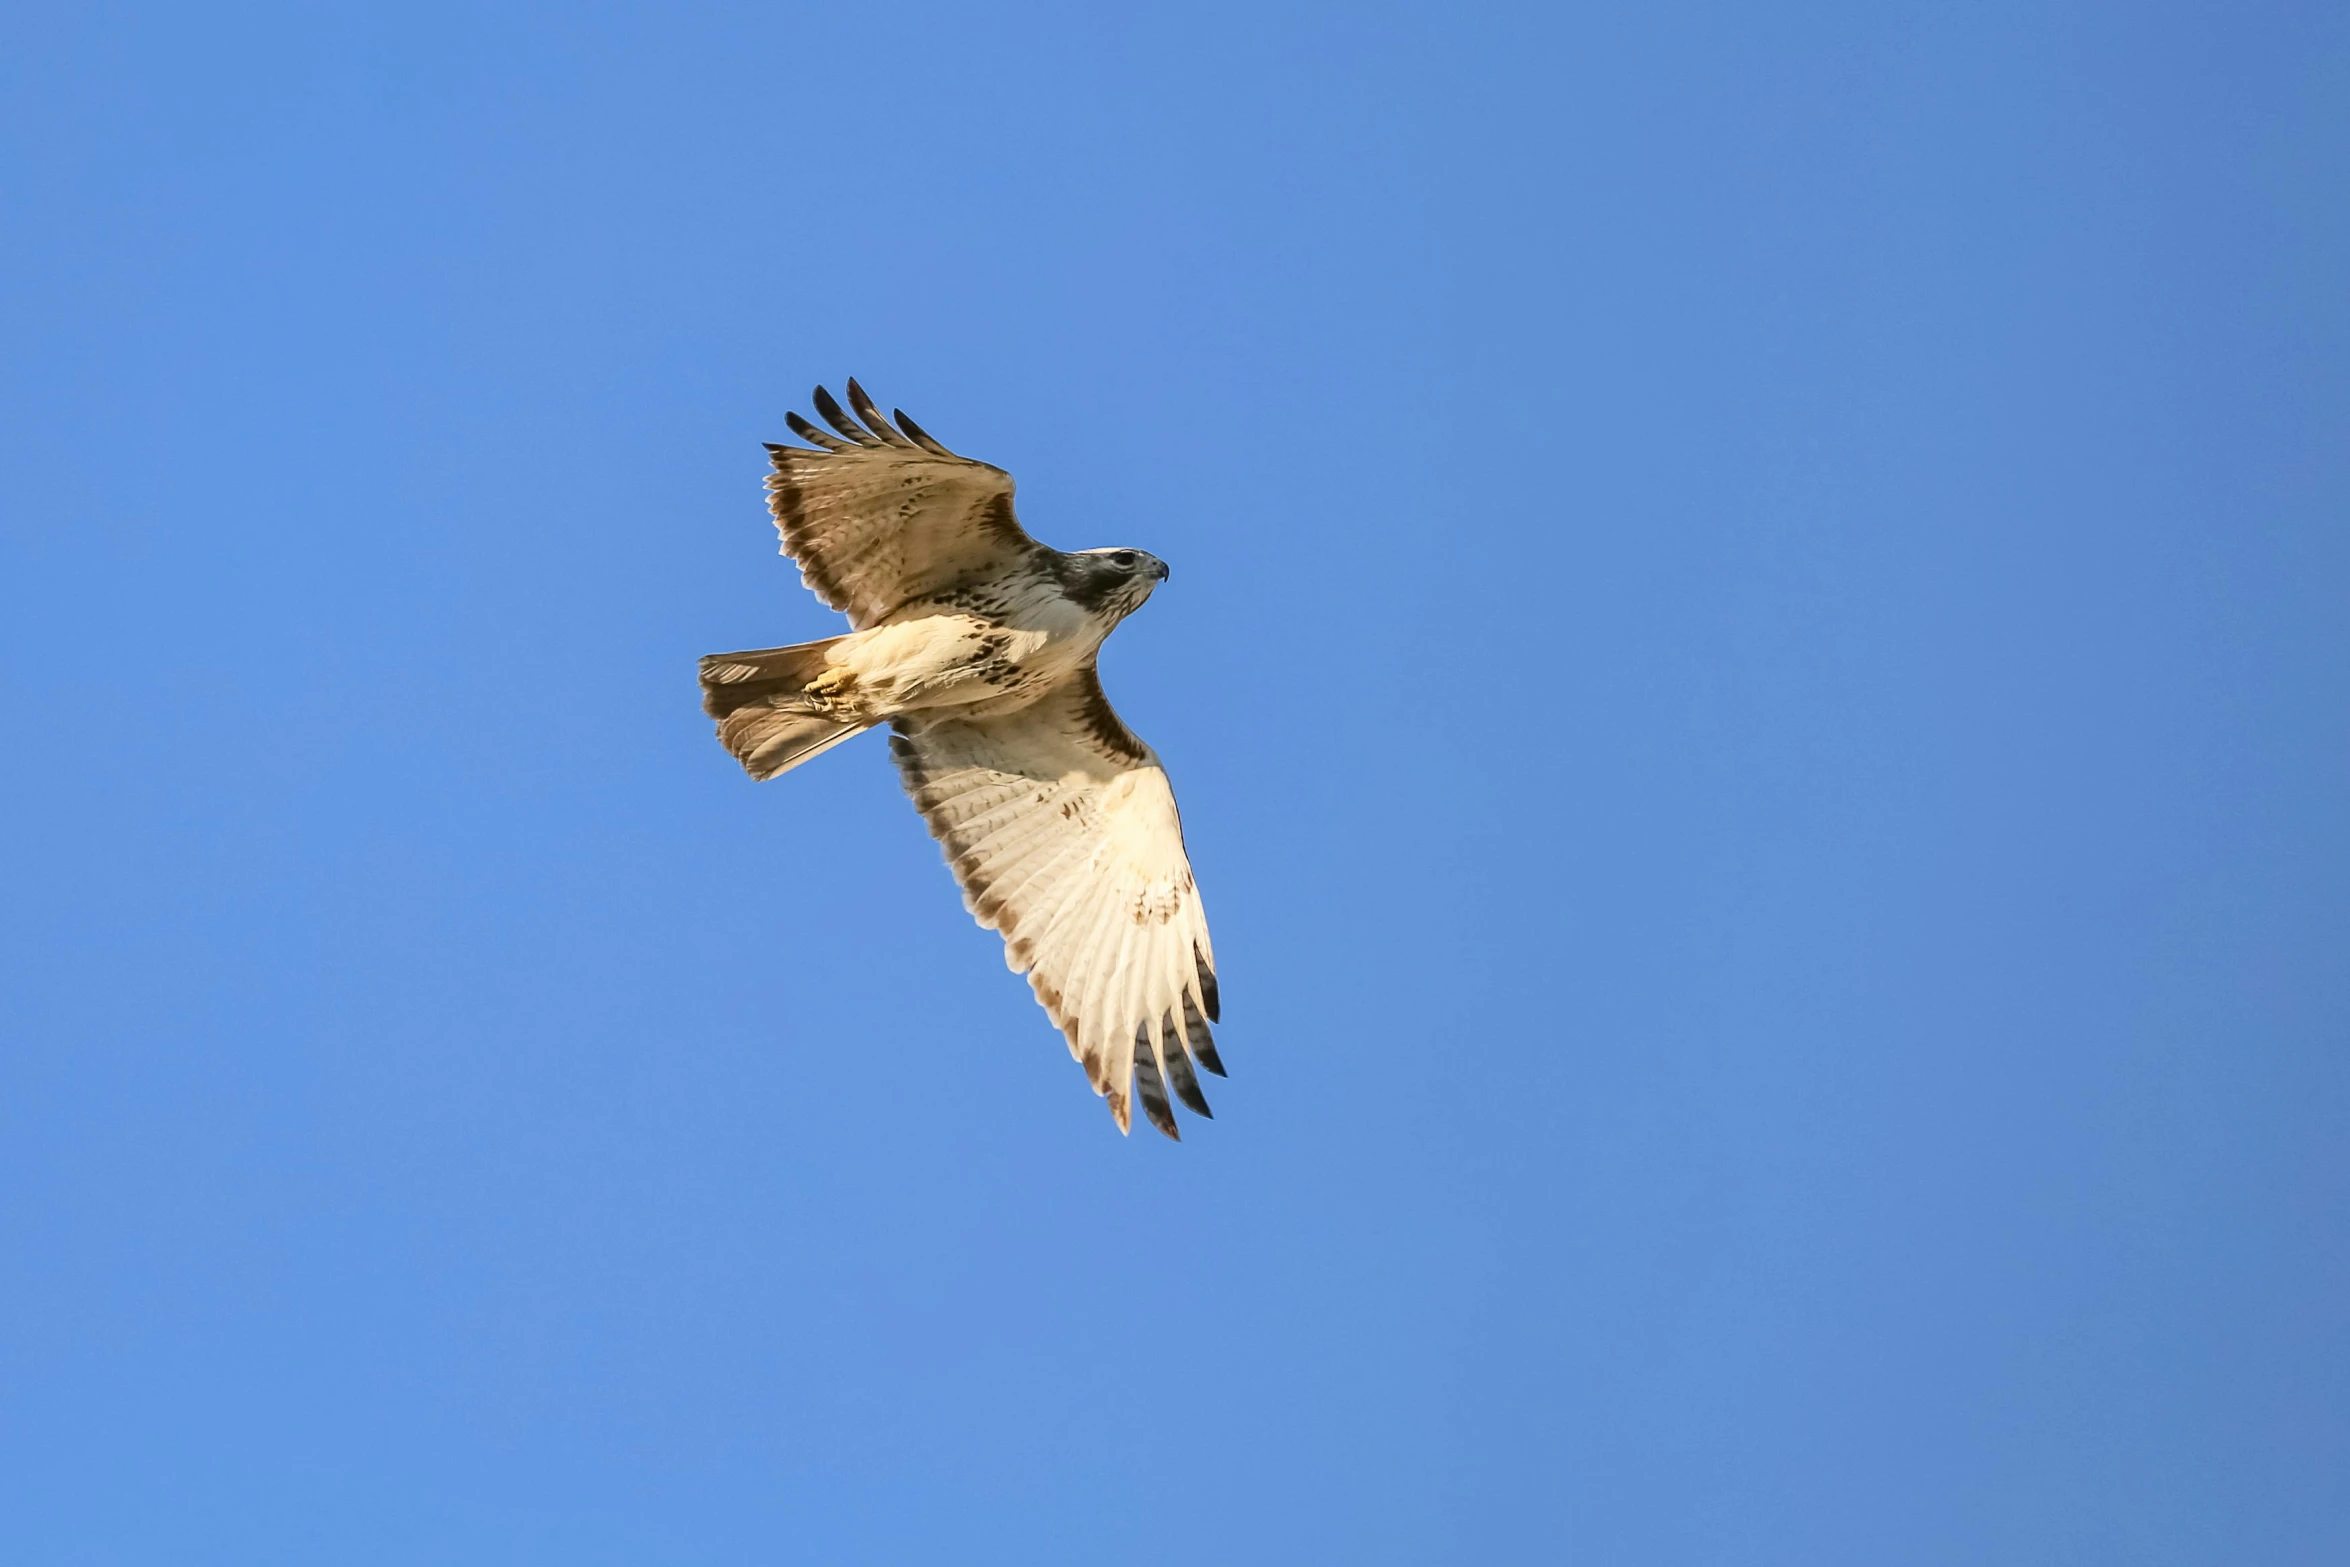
(1757, 668)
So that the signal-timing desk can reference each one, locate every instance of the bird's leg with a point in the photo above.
(834, 692)
(831, 683)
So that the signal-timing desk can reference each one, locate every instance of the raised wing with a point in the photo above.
(881, 515)
(1060, 826)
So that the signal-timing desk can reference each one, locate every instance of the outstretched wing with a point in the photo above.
(1060, 826)
(881, 515)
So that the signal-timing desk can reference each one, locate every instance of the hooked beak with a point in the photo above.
(1162, 571)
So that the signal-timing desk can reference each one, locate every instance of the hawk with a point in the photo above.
(976, 645)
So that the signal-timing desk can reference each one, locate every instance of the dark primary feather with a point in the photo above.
(872, 416)
(808, 432)
(838, 418)
(922, 438)
(1148, 1086)
(1179, 1069)
(1196, 1033)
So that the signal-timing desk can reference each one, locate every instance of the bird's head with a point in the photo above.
(1114, 582)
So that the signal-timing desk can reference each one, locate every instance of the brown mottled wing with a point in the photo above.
(880, 516)
(1061, 828)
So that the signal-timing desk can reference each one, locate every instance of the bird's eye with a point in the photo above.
(1122, 558)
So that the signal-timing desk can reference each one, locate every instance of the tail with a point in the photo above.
(764, 718)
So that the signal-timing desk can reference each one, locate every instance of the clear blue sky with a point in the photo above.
(1758, 667)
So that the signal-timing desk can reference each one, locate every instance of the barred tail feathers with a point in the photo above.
(765, 720)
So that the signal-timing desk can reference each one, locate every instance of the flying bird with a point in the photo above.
(976, 645)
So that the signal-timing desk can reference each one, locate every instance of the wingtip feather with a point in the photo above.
(921, 437)
(872, 416)
(809, 433)
(834, 415)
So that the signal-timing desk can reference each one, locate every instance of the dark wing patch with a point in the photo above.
(1102, 723)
